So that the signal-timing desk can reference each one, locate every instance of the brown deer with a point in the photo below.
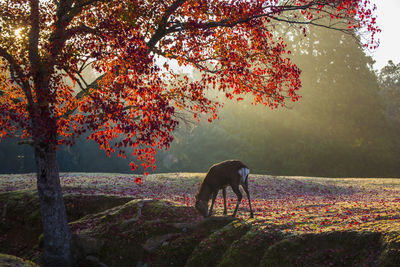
(219, 176)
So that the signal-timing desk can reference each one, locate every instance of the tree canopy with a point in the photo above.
(45, 43)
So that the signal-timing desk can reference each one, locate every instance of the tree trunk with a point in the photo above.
(56, 232)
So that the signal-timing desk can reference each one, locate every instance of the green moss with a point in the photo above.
(103, 222)
(211, 224)
(21, 207)
(78, 206)
(392, 239)
(12, 261)
(119, 252)
(167, 210)
(391, 255)
(326, 249)
(120, 244)
(124, 229)
(250, 248)
(124, 212)
(209, 251)
(156, 209)
(177, 251)
(390, 258)
(40, 240)
(147, 229)
(21, 226)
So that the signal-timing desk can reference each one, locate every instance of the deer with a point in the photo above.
(219, 176)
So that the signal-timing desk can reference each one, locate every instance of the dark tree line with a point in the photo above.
(343, 125)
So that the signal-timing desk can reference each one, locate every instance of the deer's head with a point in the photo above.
(202, 206)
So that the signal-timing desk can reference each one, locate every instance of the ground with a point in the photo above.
(299, 221)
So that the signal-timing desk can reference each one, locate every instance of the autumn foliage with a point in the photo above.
(135, 102)
(45, 47)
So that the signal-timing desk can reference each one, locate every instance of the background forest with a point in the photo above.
(346, 124)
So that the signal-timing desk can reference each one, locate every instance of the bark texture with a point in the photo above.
(56, 232)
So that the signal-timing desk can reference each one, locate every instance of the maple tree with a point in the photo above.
(134, 102)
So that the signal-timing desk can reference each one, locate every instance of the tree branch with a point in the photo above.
(82, 29)
(84, 90)
(17, 74)
(66, 11)
(161, 30)
(86, 3)
(269, 12)
(312, 22)
(34, 57)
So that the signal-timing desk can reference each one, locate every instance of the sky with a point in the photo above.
(388, 12)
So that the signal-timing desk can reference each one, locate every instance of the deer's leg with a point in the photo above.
(212, 203)
(224, 195)
(248, 197)
(239, 196)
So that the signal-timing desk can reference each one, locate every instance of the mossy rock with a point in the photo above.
(116, 247)
(102, 222)
(391, 255)
(138, 218)
(19, 208)
(21, 223)
(176, 251)
(123, 230)
(121, 252)
(212, 224)
(167, 210)
(326, 249)
(209, 252)
(13, 261)
(250, 248)
(390, 258)
(23, 206)
(78, 206)
(147, 229)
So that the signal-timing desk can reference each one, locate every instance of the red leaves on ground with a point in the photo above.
(138, 180)
(297, 204)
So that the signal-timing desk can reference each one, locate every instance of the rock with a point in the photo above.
(211, 224)
(11, 261)
(92, 261)
(85, 245)
(182, 226)
(155, 242)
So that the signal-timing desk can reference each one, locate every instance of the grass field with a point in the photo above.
(296, 207)
(297, 203)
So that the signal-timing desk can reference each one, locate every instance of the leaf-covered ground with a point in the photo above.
(293, 216)
(297, 203)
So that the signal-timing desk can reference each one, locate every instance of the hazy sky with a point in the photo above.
(388, 13)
